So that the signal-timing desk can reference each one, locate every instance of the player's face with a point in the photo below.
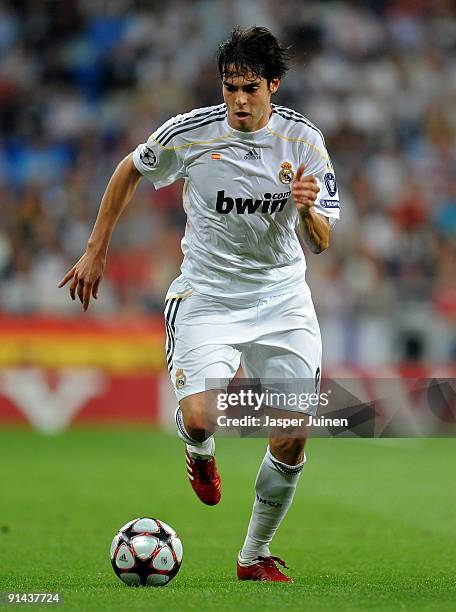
(248, 99)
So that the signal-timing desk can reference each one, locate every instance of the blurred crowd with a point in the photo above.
(82, 82)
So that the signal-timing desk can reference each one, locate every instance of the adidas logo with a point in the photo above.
(123, 557)
(252, 154)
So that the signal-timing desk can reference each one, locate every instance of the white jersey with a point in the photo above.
(240, 239)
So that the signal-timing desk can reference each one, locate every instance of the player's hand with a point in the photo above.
(85, 277)
(304, 190)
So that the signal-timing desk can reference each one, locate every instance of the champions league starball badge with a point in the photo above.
(148, 157)
(286, 173)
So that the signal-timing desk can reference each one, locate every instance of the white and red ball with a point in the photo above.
(146, 552)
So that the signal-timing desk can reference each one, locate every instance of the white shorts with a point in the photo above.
(272, 338)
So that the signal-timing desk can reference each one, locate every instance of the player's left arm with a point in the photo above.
(315, 193)
(314, 226)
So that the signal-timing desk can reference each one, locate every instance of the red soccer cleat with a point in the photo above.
(265, 570)
(204, 478)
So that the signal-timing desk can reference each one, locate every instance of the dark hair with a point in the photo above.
(254, 50)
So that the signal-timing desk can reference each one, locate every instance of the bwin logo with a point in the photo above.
(273, 504)
(271, 203)
(252, 154)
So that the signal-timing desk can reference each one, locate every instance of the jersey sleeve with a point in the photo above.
(318, 163)
(160, 163)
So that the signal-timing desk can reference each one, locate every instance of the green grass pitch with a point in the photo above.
(372, 527)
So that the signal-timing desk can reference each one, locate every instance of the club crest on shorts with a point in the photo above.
(181, 379)
(330, 182)
(286, 173)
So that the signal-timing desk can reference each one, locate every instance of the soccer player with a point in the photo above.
(255, 174)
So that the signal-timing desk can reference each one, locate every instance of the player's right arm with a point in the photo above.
(86, 274)
(158, 163)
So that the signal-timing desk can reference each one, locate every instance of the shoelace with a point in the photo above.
(271, 561)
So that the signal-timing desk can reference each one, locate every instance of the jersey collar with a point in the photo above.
(258, 134)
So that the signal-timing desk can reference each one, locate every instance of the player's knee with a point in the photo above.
(197, 432)
(288, 450)
(197, 416)
(196, 424)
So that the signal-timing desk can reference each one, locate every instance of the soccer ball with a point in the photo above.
(146, 552)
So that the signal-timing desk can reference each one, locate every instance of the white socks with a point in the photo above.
(275, 488)
(200, 450)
